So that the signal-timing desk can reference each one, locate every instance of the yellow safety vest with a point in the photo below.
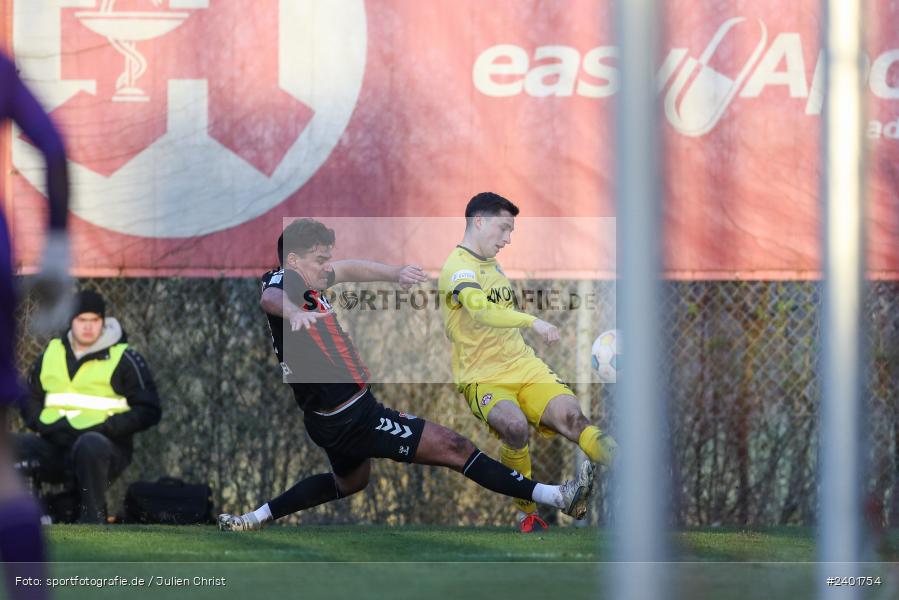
(86, 400)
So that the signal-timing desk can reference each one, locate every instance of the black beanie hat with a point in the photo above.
(89, 301)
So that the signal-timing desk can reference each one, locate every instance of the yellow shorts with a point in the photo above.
(532, 394)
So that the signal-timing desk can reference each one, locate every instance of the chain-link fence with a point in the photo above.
(742, 401)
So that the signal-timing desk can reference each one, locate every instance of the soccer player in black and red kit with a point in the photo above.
(340, 412)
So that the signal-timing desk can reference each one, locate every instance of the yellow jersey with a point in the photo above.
(479, 317)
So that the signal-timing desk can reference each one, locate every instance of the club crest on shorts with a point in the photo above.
(486, 399)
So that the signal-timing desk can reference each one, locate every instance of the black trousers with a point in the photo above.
(92, 462)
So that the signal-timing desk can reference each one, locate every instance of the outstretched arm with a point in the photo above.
(367, 270)
(275, 302)
(482, 310)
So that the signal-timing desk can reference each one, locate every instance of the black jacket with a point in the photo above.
(131, 379)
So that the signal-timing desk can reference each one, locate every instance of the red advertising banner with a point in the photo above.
(195, 126)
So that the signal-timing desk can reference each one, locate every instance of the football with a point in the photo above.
(606, 353)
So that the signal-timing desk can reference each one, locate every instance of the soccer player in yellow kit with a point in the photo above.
(506, 385)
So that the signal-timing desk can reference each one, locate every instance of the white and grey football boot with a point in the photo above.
(577, 492)
(247, 522)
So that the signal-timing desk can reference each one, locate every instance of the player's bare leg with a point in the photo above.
(512, 426)
(354, 482)
(443, 447)
(440, 446)
(563, 415)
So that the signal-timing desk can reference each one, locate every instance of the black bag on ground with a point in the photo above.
(62, 507)
(168, 501)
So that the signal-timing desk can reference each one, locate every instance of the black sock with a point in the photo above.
(309, 492)
(496, 477)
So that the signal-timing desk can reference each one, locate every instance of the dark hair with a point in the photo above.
(302, 235)
(488, 203)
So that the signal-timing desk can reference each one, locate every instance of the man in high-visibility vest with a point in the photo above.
(90, 393)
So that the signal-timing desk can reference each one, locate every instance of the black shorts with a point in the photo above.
(366, 429)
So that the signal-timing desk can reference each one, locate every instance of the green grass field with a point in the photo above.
(374, 543)
(362, 562)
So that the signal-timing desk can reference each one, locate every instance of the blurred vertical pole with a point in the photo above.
(638, 476)
(6, 128)
(586, 331)
(839, 521)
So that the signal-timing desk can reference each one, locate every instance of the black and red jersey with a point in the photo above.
(321, 364)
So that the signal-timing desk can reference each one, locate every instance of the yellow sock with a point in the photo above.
(520, 460)
(598, 446)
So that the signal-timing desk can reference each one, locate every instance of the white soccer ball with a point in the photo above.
(606, 352)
